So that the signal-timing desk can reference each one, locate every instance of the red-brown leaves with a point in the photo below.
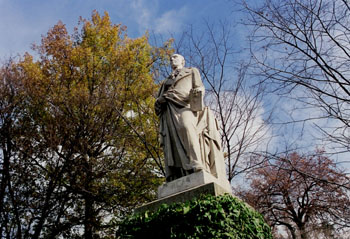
(299, 190)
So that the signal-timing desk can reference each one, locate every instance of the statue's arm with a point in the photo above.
(160, 100)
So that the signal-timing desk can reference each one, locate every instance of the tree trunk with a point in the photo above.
(6, 152)
(89, 216)
(45, 210)
(15, 210)
(4, 178)
(291, 230)
(303, 232)
(88, 220)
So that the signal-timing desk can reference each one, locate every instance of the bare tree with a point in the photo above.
(236, 101)
(303, 205)
(303, 47)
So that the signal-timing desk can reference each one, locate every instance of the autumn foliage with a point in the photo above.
(303, 193)
(78, 135)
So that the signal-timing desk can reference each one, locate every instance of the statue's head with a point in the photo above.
(177, 61)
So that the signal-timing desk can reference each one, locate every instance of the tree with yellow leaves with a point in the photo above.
(88, 147)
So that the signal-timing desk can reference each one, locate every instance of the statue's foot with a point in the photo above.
(195, 170)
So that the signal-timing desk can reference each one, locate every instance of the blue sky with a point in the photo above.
(22, 22)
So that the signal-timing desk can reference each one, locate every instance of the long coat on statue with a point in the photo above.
(190, 140)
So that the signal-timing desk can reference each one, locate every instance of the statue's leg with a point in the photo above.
(190, 139)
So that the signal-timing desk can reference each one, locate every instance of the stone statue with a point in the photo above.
(188, 130)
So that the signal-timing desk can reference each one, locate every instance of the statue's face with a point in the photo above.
(176, 61)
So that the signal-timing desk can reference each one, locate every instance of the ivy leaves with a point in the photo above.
(207, 217)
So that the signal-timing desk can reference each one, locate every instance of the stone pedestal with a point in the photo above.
(187, 188)
(191, 181)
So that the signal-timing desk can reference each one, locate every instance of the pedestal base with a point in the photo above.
(187, 188)
(210, 188)
(191, 181)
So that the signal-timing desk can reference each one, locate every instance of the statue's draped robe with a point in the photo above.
(190, 140)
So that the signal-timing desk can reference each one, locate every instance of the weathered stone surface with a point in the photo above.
(211, 188)
(193, 180)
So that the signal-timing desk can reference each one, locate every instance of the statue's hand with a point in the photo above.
(195, 90)
(158, 106)
(160, 100)
(157, 109)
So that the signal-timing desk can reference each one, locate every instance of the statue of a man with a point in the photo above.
(188, 131)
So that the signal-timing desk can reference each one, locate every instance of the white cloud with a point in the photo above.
(244, 121)
(22, 23)
(170, 21)
(146, 15)
(142, 12)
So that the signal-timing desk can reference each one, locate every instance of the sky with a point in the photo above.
(23, 22)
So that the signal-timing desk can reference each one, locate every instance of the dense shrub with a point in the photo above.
(207, 217)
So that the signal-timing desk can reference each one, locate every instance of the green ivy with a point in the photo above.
(207, 217)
